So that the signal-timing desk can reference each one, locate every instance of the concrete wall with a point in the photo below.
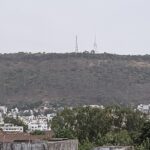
(55, 145)
(114, 148)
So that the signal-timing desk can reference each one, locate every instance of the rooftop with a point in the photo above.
(17, 136)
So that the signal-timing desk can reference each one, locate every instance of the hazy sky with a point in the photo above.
(121, 26)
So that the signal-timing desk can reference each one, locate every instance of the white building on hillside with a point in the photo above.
(144, 108)
(11, 128)
(41, 126)
(95, 106)
(50, 116)
(1, 119)
(3, 109)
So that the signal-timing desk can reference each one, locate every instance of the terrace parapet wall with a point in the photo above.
(41, 145)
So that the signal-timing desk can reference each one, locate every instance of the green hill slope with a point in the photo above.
(74, 79)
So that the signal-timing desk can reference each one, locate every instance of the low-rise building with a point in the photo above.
(35, 125)
(95, 106)
(51, 116)
(11, 128)
(144, 108)
(114, 148)
(3, 109)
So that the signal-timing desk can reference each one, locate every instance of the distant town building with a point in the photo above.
(1, 119)
(95, 106)
(11, 128)
(38, 125)
(50, 116)
(3, 109)
(114, 148)
(144, 108)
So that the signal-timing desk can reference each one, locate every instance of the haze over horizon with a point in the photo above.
(121, 27)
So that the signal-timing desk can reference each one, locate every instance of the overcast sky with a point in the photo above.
(121, 26)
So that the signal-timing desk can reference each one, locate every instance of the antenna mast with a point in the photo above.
(95, 45)
(76, 46)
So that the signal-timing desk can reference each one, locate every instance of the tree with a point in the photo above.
(144, 146)
(109, 126)
(86, 146)
(145, 132)
(63, 124)
(118, 138)
(135, 120)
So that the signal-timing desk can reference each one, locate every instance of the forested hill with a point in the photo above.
(74, 79)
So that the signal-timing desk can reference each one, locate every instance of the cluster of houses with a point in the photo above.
(35, 119)
(40, 121)
(144, 108)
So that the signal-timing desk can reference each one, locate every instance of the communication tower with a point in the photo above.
(76, 45)
(95, 45)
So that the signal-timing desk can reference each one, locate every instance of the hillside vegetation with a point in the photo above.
(74, 79)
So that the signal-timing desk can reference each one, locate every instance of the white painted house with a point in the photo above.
(144, 108)
(41, 126)
(11, 128)
(3, 109)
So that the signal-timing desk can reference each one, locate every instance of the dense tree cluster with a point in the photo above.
(96, 127)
